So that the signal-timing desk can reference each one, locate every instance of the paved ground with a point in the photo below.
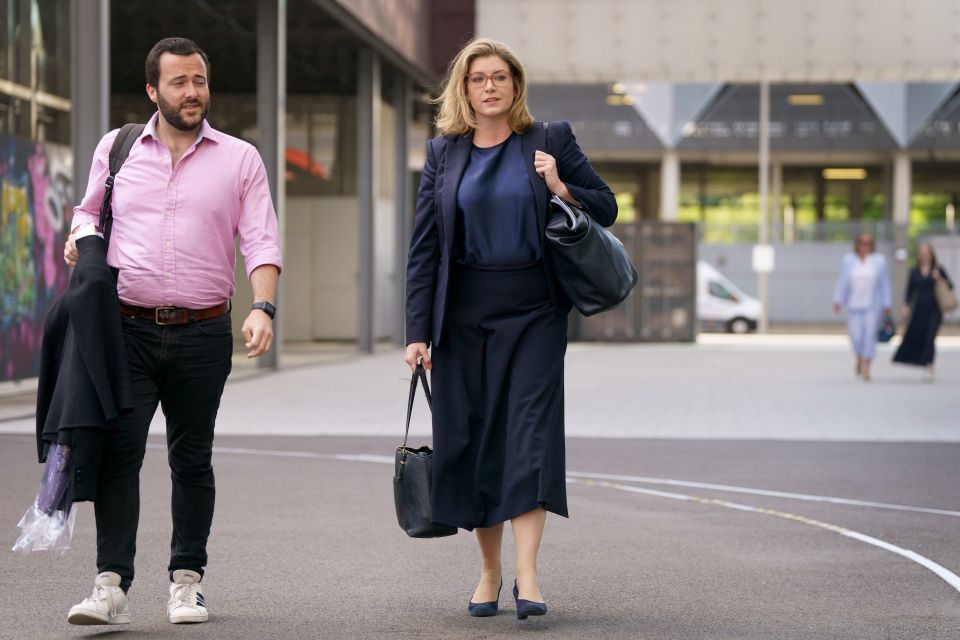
(699, 486)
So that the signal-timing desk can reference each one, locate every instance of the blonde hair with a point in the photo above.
(933, 254)
(868, 236)
(455, 114)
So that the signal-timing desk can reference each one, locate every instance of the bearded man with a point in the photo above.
(182, 198)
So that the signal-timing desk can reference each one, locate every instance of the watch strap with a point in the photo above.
(266, 307)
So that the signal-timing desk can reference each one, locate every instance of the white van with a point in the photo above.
(721, 305)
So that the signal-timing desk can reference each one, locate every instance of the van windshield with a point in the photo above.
(717, 290)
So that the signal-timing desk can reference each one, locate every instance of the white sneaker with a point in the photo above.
(107, 605)
(186, 602)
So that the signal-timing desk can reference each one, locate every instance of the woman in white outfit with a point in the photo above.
(864, 290)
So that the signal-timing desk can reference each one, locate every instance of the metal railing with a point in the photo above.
(735, 233)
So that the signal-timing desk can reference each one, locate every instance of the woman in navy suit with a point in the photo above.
(485, 315)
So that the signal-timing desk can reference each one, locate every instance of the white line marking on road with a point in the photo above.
(760, 492)
(602, 476)
(600, 479)
(945, 574)
(588, 479)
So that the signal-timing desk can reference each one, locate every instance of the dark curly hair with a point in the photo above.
(176, 46)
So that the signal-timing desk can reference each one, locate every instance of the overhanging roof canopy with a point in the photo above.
(706, 41)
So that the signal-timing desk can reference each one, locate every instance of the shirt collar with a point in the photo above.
(206, 131)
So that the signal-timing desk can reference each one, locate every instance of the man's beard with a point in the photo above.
(172, 115)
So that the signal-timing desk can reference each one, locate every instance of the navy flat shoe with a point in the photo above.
(485, 609)
(527, 607)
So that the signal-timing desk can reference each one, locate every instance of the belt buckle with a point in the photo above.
(166, 312)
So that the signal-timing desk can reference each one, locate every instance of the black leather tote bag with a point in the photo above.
(411, 477)
(588, 261)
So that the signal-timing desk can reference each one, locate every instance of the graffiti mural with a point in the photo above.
(36, 204)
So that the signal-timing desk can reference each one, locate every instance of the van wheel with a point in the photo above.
(738, 325)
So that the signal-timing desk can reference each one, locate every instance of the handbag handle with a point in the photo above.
(419, 374)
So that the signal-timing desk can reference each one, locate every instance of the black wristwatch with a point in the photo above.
(266, 307)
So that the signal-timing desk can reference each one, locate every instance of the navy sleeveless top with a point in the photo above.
(496, 223)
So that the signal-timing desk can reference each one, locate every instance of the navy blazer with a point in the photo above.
(431, 246)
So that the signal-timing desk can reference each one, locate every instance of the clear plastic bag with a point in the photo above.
(48, 523)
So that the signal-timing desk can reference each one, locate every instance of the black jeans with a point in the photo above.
(183, 369)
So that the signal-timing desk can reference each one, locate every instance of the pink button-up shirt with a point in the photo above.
(174, 228)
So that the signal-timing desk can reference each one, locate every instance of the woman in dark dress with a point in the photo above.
(920, 306)
(481, 296)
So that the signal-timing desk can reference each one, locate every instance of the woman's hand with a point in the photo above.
(418, 352)
(546, 165)
(905, 312)
(836, 308)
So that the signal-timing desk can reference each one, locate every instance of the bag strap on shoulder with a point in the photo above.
(122, 144)
(546, 137)
(421, 375)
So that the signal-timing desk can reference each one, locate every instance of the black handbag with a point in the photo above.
(588, 261)
(411, 478)
(885, 328)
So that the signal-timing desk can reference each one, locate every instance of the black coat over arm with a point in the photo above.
(84, 384)
(431, 245)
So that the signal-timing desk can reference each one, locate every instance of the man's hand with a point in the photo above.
(836, 308)
(417, 351)
(257, 332)
(70, 253)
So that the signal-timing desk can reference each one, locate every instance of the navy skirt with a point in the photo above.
(918, 344)
(498, 399)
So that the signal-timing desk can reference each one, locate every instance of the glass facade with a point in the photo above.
(832, 149)
(35, 69)
(803, 117)
(36, 173)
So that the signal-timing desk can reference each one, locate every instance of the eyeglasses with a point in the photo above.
(479, 80)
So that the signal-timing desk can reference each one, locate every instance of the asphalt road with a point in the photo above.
(305, 545)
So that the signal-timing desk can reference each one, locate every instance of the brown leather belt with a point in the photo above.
(174, 315)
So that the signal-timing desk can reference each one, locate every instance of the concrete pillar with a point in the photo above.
(89, 84)
(776, 200)
(763, 232)
(368, 100)
(902, 190)
(403, 219)
(271, 126)
(669, 186)
(952, 213)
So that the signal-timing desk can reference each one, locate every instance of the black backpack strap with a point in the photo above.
(128, 135)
